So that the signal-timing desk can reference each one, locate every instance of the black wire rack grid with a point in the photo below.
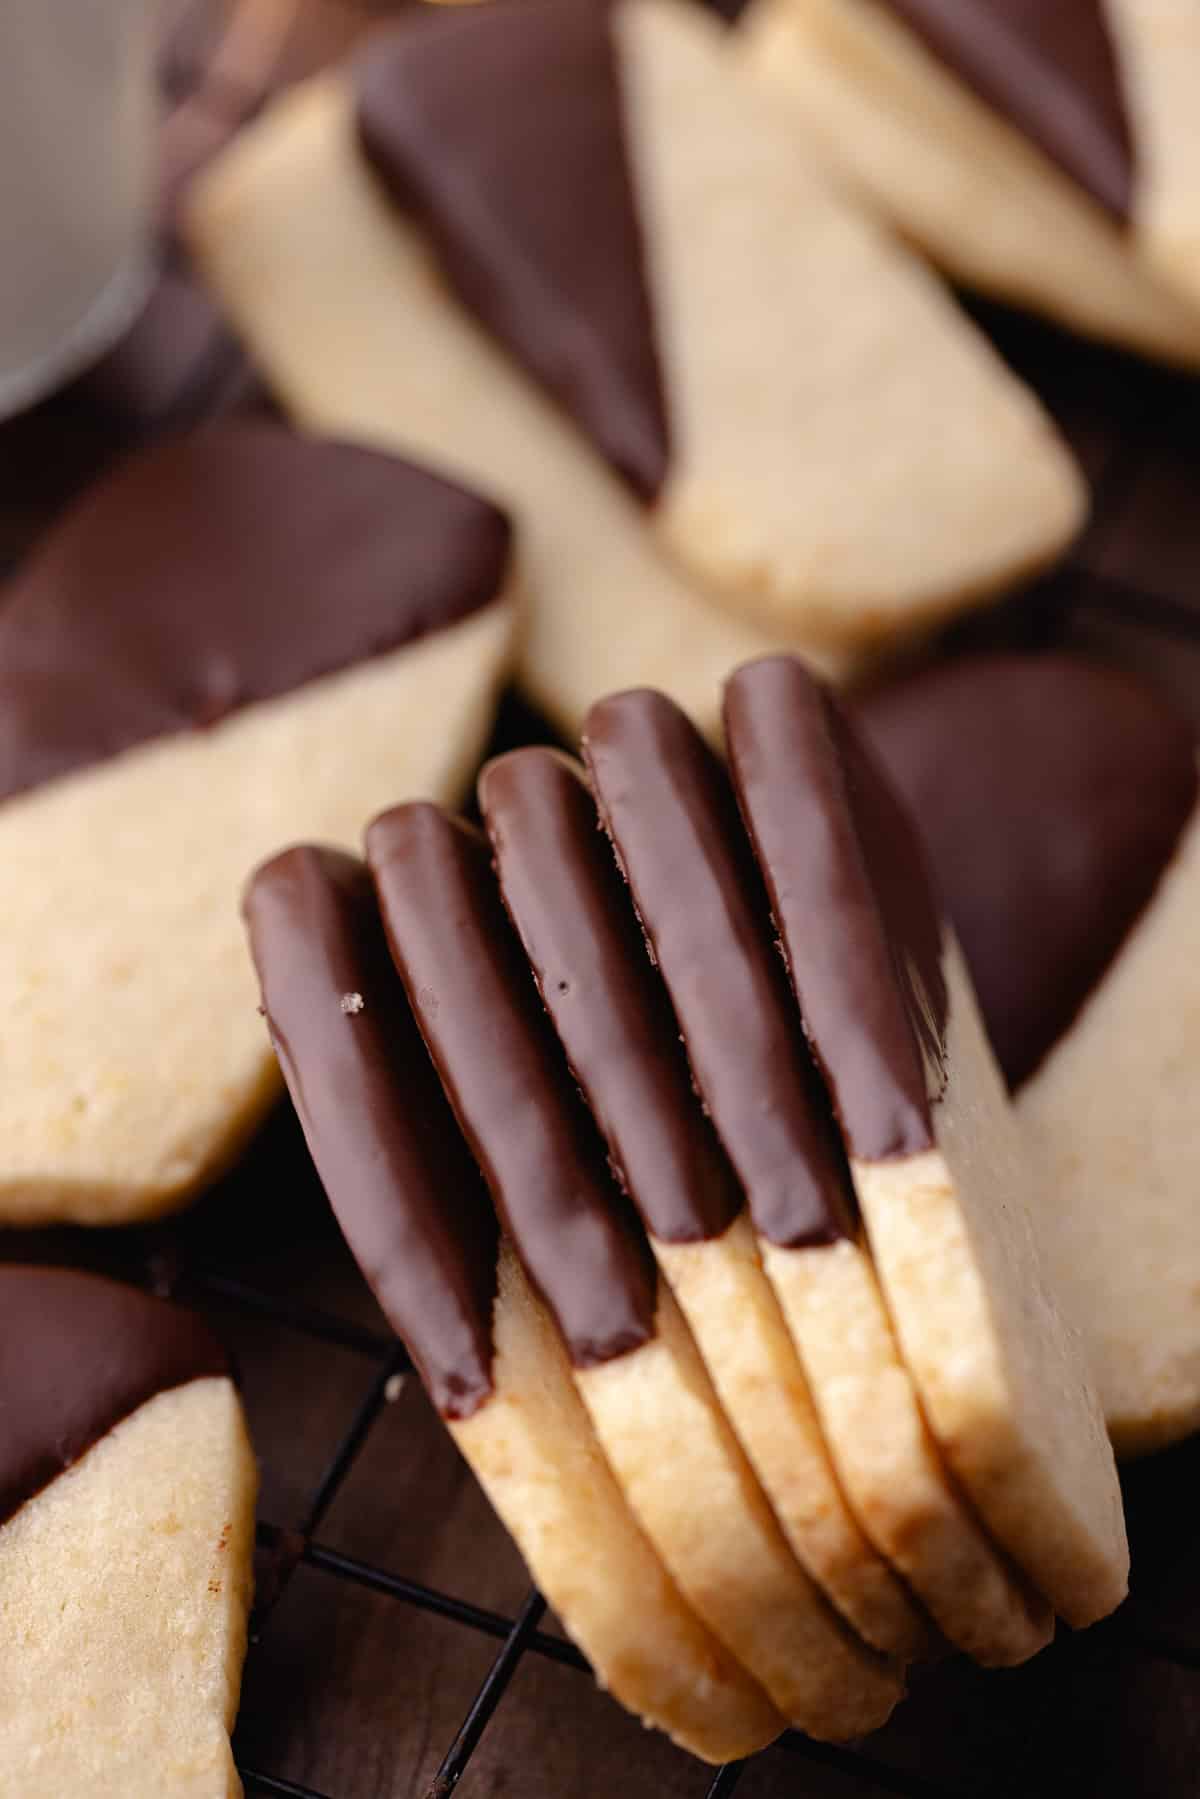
(284, 1549)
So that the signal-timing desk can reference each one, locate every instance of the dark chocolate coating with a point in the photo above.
(668, 806)
(568, 904)
(1051, 794)
(1050, 68)
(78, 1354)
(220, 569)
(851, 899)
(475, 1001)
(500, 128)
(406, 1193)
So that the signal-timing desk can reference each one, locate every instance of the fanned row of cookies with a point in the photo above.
(782, 1345)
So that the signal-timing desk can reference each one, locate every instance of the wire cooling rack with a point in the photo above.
(1114, 1712)
(199, 1260)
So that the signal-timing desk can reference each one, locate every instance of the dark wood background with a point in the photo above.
(386, 1587)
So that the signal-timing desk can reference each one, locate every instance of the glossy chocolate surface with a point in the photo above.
(406, 1193)
(500, 128)
(851, 899)
(668, 806)
(568, 903)
(1051, 794)
(78, 1354)
(219, 569)
(478, 1008)
(1050, 68)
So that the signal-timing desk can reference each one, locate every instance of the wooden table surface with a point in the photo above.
(386, 1588)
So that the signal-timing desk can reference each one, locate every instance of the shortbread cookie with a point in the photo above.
(1041, 153)
(817, 390)
(417, 1216)
(937, 1158)
(234, 637)
(127, 1488)
(725, 317)
(1058, 801)
(633, 1359)
(338, 300)
(565, 898)
(670, 811)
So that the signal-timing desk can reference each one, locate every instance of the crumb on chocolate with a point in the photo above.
(352, 1003)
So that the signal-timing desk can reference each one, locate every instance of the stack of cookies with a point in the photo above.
(721, 1264)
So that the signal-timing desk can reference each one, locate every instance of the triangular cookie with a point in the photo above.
(1058, 802)
(127, 1488)
(235, 636)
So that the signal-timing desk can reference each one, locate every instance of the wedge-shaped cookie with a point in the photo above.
(127, 1488)
(593, 202)
(1042, 153)
(565, 898)
(938, 1160)
(417, 1216)
(1058, 801)
(338, 299)
(236, 637)
(670, 811)
(633, 1359)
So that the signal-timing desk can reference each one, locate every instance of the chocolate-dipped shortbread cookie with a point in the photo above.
(716, 411)
(672, 816)
(565, 896)
(1042, 152)
(634, 1362)
(235, 637)
(939, 1165)
(416, 1213)
(127, 1488)
(1058, 802)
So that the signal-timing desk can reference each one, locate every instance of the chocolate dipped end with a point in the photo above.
(670, 812)
(501, 129)
(851, 900)
(1051, 794)
(79, 1354)
(219, 570)
(477, 1006)
(1049, 68)
(568, 904)
(406, 1193)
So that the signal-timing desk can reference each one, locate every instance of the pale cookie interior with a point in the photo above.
(850, 458)
(1114, 1134)
(133, 1063)
(752, 1363)
(679, 1465)
(125, 1587)
(535, 1453)
(887, 1459)
(1002, 1377)
(955, 178)
(1158, 43)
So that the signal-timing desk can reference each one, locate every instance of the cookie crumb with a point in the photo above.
(352, 1003)
(393, 1387)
